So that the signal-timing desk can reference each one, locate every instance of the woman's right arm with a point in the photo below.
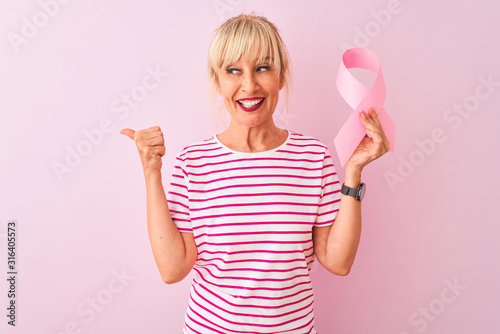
(174, 252)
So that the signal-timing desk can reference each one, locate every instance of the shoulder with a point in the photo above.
(307, 141)
(196, 148)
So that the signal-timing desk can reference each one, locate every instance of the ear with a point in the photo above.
(282, 83)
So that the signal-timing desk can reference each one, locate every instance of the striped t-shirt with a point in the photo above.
(252, 216)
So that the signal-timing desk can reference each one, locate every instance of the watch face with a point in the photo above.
(361, 191)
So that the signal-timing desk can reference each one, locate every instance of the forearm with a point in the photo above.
(343, 238)
(166, 241)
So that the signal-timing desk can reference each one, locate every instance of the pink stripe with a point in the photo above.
(256, 213)
(214, 324)
(325, 213)
(256, 260)
(179, 212)
(332, 192)
(310, 329)
(252, 176)
(254, 242)
(258, 203)
(204, 150)
(196, 332)
(304, 152)
(245, 287)
(251, 314)
(258, 279)
(331, 202)
(180, 219)
(178, 194)
(306, 145)
(305, 325)
(206, 320)
(329, 184)
(258, 305)
(207, 142)
(256, 251)
(254, 185)
(335, 182)
(256, 167)
(182, 170)
(179, 185)
(301, 135)
(250, 233)
(255, 223)
(204, 157)
(252, 269)
(177, 176)
(244, 160)
(253, 194)
(320, 223)
(247, 323)
(181, 204)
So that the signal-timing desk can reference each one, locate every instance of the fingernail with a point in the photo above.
(362, 114)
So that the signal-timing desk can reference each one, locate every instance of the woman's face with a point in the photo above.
(250, 91)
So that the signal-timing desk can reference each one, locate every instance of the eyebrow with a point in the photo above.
(256, 60)
(268, 57)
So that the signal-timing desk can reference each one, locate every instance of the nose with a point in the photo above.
(249, 83)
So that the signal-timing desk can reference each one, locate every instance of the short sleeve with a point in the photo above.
(177, 197)
(329, 203)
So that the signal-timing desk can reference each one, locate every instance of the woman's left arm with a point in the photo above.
(336, 245)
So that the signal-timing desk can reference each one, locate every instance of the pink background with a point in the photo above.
(428, 216)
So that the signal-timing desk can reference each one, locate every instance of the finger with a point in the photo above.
(367, 122)
(373, 123)
(373, 131)
(376, 120)
(128, 132)
(374, 116)
(151, 138)
(383, 139)
(157, 141)
(376, 133)
(161, 151)
(148, 134)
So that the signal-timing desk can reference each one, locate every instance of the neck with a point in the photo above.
(253, 139)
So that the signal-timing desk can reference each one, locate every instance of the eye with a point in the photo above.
(231, 70)
(263, 68)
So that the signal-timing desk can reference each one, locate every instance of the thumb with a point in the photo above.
(128, 132)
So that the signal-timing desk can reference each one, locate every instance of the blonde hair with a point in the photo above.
(243, 36)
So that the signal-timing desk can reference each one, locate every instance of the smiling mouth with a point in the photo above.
(250, 103)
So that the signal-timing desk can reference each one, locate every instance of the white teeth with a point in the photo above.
(251, 103)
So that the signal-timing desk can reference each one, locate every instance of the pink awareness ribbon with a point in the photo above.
(358, 97)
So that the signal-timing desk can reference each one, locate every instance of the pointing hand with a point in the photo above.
(150, 145)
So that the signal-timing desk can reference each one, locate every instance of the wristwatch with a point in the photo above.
(358, 193)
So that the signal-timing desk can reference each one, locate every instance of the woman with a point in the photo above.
(251, 208)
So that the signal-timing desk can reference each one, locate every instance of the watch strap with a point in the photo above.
(349, 191)
(357, 193)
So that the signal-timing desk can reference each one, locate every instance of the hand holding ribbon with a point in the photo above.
(373, 145)
(365, 136)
